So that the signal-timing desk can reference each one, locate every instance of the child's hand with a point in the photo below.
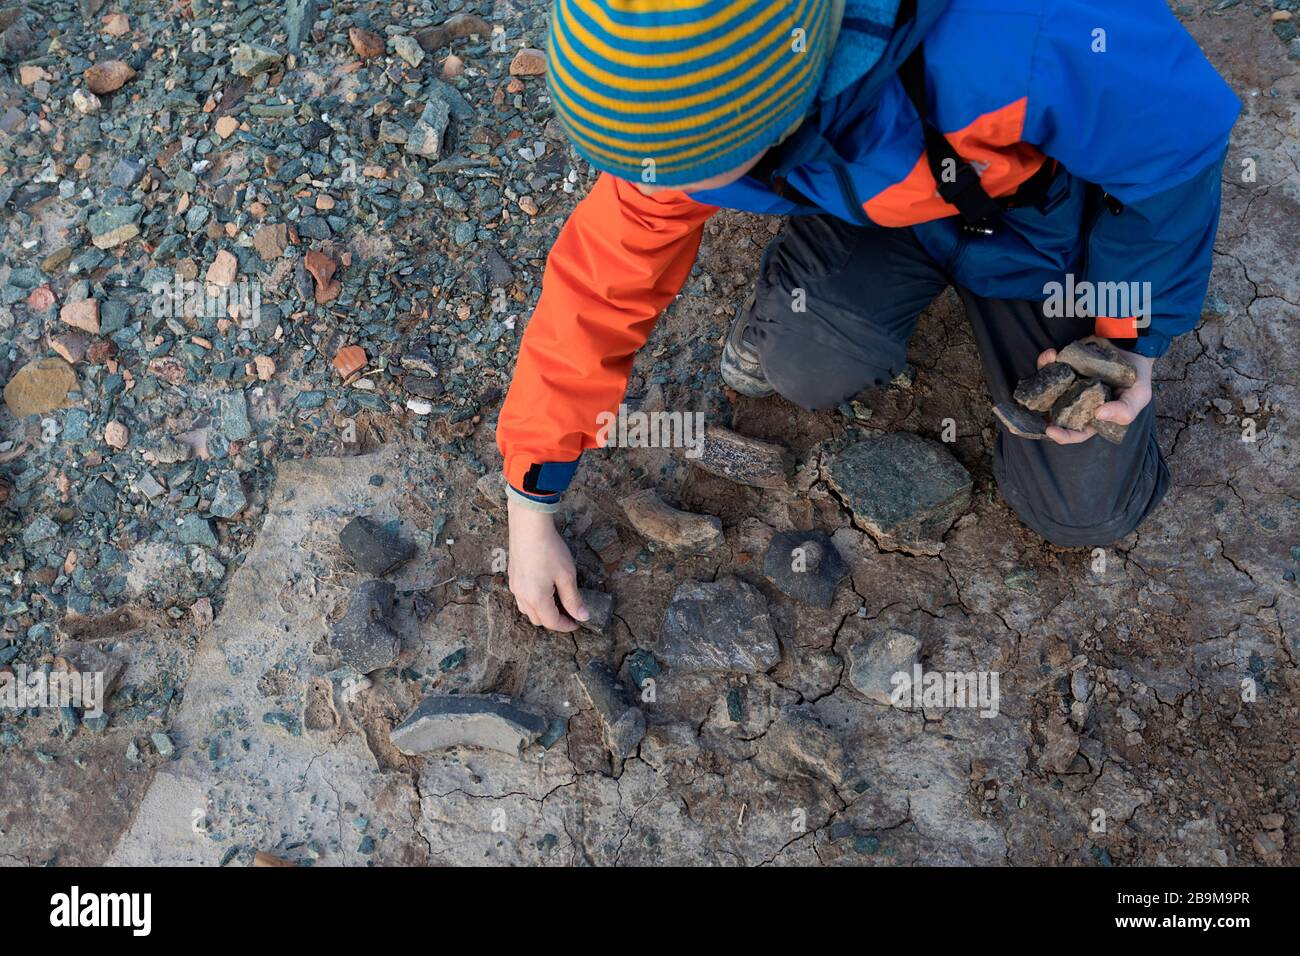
(540, 565)
(1127, 406)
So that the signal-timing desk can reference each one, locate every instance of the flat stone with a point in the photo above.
(904, 490)
(488, 721)
(299, 17)
(1039, 391)
(744, 460)
(195, 529)
(622, 721)
(229, 499)
(77, 657)
(799, 744)
(112, 227)
(250, 59)
(873, 662)
(270, 240)
(373, 548)
(663, 524)
(40, 386)
(1075, 409)
(806, 566)
(364, 636)
(1096, 358)
(492, 490)
(82, 314)
(1020, 421)
(718, 626)
(408, 48)
(1112, 432)
(600, 607)
(223, 269)
(70, 346)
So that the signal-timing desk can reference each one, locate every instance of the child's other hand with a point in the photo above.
(541, 566)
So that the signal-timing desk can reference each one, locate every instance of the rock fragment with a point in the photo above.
(367, 44)
(373, 548)
(489, 721)
(107, 76)
(600, 606)
(364, 636)
(663, 524)
(1039, 391)
(874, 660)
(1096, 358)
(744, 460)
(83, 314)
(904, 490)
(1020, 422)
(622, 721)
(40, 386)
(528, 62)
(433, 39)
(408, 48)
(798, 744)
(114, 226)
(718, 626)
(252, 59)
(806, 566)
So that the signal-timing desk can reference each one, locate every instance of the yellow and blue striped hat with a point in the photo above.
(675, 91)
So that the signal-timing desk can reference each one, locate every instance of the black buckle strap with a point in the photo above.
(958, 183)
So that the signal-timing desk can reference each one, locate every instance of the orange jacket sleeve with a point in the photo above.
(618, 262)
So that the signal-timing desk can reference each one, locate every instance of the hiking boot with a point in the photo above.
(741, 368)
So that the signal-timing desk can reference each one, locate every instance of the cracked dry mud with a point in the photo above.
(1121, 672)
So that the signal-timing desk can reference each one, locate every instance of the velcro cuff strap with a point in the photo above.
(1109, 328)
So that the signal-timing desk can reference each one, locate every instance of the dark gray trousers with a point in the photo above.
(862, 292)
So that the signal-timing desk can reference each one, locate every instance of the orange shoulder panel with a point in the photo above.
(619, 261)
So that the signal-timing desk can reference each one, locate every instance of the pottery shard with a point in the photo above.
(367, 44)
(270, 240)
(1039, 391)
(223, 270)
(718, 626)
(349, 359)
(108, 76)
(1020, 422)
(489, 721)
(40, 386)
(322, 269)
(460, 25)
(1096, 358)
(747, 461)
(82, 315)
(528, 62)
(904, 490)
(623, 723)
(663, 524)
(1075, 409)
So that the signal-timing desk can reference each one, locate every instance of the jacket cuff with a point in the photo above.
(545, 505)
(541, 480)
(1152, 344)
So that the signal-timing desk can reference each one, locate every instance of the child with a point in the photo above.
(1008, 148)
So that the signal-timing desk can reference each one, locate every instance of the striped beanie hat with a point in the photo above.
(671, 92)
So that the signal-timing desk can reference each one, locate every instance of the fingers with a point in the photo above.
(1120, 412)
(1066, 436)
(1047, 358)
(549, 614)
(567, 586)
